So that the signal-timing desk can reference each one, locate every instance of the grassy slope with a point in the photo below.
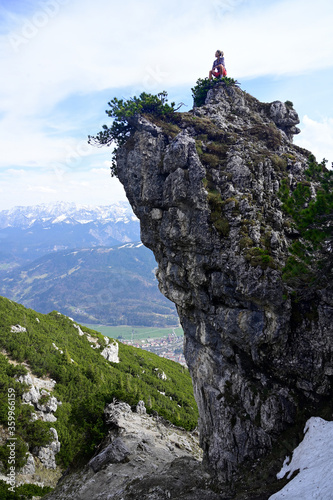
(139, 333)
(86, 385)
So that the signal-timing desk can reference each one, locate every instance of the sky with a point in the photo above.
(62, 61)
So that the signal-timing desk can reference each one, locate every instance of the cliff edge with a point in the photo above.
(212, 188)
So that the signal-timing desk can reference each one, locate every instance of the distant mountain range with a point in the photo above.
(85, 262)
(27, 233)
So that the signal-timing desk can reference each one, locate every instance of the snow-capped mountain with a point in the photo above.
(71, 213)
(85, 261)
(27, 233)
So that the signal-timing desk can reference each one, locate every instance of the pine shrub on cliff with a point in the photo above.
(310, 205)
(203, 85)
(122, 111)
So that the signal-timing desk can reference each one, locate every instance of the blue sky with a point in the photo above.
(63, 60)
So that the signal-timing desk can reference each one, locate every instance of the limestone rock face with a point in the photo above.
(18, 329)
(206, 194)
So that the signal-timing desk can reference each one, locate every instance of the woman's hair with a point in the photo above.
(220, 53)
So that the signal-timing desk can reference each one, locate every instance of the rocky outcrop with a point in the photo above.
(143, 456)
(18, 329)
(39, 396)
(46, 454)
(114, 453)
(40, 468)
(110, 352)
(206, 190)
(44, 405)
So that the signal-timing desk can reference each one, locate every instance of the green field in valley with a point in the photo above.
(135, 333)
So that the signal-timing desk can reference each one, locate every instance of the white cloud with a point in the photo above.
(54, 50)
(41, 189)
(92, 46)
(27, 144)
(87, 46)
(317, 137)
(32, 186)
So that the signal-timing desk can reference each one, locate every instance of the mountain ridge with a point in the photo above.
(23, 216)
(27, 233)
(101, 285)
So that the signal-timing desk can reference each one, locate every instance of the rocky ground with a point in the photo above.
(143, 457)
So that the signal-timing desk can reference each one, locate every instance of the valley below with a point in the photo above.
(85, 262)
(165, 342)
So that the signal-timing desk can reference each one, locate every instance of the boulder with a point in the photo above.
(116, 452)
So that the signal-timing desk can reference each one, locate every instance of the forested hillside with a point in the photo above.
(105, 285)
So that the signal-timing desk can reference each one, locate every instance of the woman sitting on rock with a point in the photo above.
(218, 69)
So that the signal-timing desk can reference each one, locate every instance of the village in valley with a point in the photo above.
(170, 346)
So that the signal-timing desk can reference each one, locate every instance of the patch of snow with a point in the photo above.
(127, 245)
(59, 219)
(313, 458)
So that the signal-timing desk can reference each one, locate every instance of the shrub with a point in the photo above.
(257, 256)
(122, 111)
(23, 492)
(200, 90)
(313, 219)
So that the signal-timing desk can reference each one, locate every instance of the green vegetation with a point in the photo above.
(122, 112)
(139, 333)
(200, 90)
(289, 104)
(268, 133)
(216, 204)
(312, 214)
(23, 492)
(259, 257)
(85, 381)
